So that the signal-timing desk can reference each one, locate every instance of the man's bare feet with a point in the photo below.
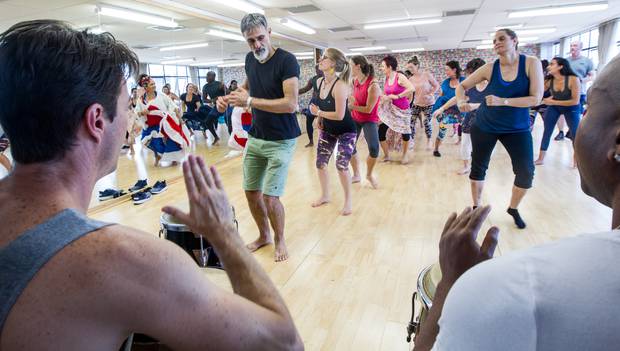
(320, 202)
(258, 243)
(539, 162)
(356, 179)
(373, 181)
(346, 210)
(281, 253)
(463, 171)
(386, 159)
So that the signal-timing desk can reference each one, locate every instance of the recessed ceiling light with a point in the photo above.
(237, 64)
(226, 35)
(211, 63)
(184, 47)
(241, 5)
(131, 15)
(558, 10)
(414, 22)
(369, 48)
(171, 62)
(408, 50)
(297, 26)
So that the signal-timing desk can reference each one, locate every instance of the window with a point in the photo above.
(176, 76)
(618, 36)
(589, 42)
(555, 51)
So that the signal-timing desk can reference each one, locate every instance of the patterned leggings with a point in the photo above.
(444, 120)
(327, 144)
(417, 114)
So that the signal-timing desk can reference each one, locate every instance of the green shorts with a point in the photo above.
(265, 165)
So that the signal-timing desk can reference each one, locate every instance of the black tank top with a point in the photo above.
(563, 95)
(329, 105)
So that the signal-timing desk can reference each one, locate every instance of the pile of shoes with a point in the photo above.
(108, 194)
(141, 193)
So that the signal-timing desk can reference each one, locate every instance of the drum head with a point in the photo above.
(171, 223)
(427, 283)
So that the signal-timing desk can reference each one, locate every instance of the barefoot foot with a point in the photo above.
(405, 160)
(463, 171)
(346, 210)
(373, 181)
(356, 179)
(320, 202)
(258, 243)
(539, 162)
(281, 253)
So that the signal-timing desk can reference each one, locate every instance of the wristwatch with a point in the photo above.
(505, 101)
(248, 103)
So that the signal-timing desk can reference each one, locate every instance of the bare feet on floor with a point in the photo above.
(539, 162)
(346, 210)
(405, 160)
(373, 181)
(281, 253)
(258, 243)
(429, 145)
(386, 159)
(356, 179)
(320, 202)
(463, 171)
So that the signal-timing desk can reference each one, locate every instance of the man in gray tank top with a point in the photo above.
(71, 283)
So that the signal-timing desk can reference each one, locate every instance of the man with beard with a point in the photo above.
(271, 90)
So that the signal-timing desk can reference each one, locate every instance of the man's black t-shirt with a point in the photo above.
(213, 90)
(191, 105)
(265, 81)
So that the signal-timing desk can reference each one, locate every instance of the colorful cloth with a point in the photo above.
(397, 119)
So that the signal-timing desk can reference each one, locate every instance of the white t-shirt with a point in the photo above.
(563, 296)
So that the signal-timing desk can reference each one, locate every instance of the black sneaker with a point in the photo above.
(140, 184)
(159, 187)
(141, 197)
(568, 135)
(110, 194)
(560, 136)
(436, 153)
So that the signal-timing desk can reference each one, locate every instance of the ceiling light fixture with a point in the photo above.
(558, 10)
(237, 64)
(482, 47)
(172, 62)
(208, 64)
(304, 58)
(510, 26)
(369, 48)
(225, 35)
(521, 40)
(183, 47)
(241, 5)
(305, 53)
(414, 22)
(297, 26)
(131, 15)
(408, 50)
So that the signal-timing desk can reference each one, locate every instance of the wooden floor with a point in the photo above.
(349, 280)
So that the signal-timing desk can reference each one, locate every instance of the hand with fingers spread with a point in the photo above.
(210, 213)
(458, 248)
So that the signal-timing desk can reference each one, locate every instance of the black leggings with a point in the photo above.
(519, 146)
(309, 128)
(383, 128)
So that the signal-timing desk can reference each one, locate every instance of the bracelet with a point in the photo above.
(248, 103)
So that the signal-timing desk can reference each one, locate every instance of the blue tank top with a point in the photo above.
(505, 119)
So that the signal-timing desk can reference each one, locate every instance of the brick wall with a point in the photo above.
(433, 61)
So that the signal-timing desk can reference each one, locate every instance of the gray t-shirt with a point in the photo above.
(559, 296)
(581, 66)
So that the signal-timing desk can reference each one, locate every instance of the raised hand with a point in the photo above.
(210, 213)
(458, 249)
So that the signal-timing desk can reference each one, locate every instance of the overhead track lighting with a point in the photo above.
(184, 47)
(131, 15)
(414, 22)
(297, 26)
(225, 35)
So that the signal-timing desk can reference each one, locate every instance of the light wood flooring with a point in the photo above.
(349, 280)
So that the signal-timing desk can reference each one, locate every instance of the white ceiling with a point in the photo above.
(453, 32)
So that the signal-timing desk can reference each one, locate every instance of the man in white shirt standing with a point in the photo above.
(559, 296)
(584, 69)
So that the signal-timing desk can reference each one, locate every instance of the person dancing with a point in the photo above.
(515, 84)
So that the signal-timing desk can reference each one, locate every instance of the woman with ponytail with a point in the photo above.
(335, 124)
(363, 105)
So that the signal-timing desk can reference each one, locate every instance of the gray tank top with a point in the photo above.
(562, 95)
(22, 258)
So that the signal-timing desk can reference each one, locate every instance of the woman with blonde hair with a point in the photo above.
(335, 123)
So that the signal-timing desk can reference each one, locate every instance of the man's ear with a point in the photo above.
(94, 123)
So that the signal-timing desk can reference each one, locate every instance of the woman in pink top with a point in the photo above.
(394, 111)
(363, 105)
(425, 86)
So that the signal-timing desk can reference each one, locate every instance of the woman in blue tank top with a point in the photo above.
(515, 84)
